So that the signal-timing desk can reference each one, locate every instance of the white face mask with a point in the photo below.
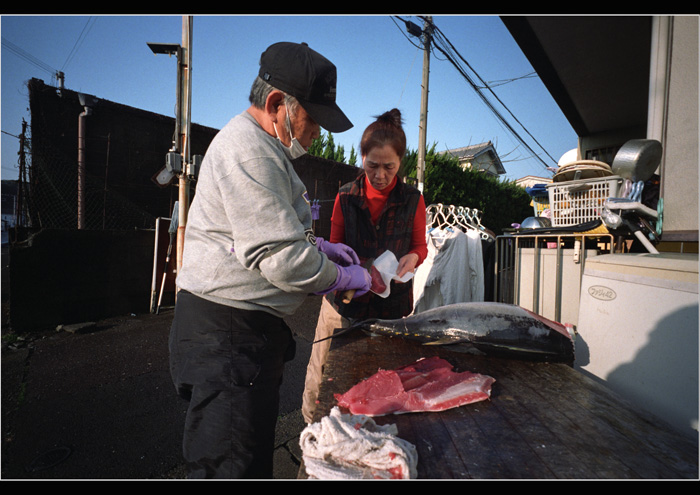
(295, 150)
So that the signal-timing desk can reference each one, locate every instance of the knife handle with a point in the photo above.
(347, 296)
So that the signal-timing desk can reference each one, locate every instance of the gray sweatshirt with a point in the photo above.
(248, 228)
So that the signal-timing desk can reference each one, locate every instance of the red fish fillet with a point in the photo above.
(378, 285)
(426, 385)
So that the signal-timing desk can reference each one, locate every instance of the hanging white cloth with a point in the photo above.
(452, 272)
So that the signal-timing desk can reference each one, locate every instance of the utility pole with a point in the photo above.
(179, 160)
(184, 116)
(423, 125)
(19, 205)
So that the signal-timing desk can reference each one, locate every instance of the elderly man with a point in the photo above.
(250, 259)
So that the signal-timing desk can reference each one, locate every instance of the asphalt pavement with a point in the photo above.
(96, 402)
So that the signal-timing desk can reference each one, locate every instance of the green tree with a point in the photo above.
(317, 146)
(502, 203)
(353, 157)
(325, 147)
(329, 151)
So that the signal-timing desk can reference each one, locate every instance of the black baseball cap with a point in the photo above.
(307, 75)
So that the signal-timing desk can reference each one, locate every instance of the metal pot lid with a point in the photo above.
(637, 159)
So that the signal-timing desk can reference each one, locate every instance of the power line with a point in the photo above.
(501, 82)
(44, 66)
(28, 57)
(86, 29)
(443, 39)
(442, 44)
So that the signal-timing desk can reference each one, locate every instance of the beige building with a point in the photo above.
(531, 180)
(481, 157)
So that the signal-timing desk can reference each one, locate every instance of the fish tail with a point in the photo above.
(554, 325)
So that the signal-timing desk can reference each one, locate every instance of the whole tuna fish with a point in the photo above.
(489, 327)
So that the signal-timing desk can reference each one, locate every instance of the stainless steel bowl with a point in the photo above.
(535, 223)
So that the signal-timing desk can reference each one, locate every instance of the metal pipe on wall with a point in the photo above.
(81, 169)
(85, 101)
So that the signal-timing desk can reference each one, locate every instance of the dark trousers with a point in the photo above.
(228, 364)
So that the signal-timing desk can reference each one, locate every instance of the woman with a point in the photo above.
(374, 213)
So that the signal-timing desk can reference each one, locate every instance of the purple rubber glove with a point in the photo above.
(350, 277)
(338, 252)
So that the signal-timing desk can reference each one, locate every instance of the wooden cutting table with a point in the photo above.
(543, 421)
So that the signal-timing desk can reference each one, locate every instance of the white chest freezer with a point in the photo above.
(638, 331)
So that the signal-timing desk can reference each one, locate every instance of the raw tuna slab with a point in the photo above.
(426, 385)
(378, 285)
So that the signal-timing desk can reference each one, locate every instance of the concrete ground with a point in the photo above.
(99, 404)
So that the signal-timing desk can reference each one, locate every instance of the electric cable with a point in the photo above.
(83, 34)
(446, 48)
(28, 57)
(442, 36)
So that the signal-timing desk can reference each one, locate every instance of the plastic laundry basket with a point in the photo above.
(579, 201)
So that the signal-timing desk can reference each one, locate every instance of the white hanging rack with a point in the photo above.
(439, 216)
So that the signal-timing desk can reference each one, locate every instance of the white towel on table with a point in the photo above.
(353, 446)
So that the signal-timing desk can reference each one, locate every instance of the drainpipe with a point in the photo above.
(659, 73)
(86, 102)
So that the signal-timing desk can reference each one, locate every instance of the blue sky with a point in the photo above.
(379, 67)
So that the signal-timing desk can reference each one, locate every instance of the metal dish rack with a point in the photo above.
(545, 296)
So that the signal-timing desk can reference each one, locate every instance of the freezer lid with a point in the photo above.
(678, 271)
(686, 262)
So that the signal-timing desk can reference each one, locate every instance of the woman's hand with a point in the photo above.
(407, 264)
